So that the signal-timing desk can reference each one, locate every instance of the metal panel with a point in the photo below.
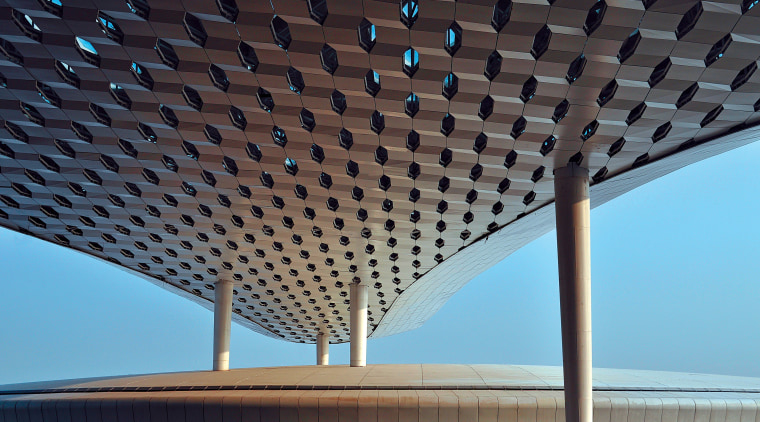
(170, 206)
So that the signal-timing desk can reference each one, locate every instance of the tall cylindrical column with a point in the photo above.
(323, 349)
(358, 324)
(574, 260)
(222, 324)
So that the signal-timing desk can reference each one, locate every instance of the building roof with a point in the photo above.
(297, 147)
(398, 376)
(383, 393)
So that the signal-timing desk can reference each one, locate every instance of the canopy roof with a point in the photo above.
(296, 147)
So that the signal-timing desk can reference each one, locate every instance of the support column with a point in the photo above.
(323, 349)
(222, 324)
(358, 324)
(574, 260)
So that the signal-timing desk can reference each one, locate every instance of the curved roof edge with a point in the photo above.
(429, 293)
(391, 376)
(422, 299)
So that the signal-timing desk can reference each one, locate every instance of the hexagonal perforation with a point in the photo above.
(215, 170)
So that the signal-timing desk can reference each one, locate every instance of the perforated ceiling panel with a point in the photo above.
(298, 146)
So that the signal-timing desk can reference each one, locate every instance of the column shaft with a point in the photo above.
(358, 324)
(222, 324)
(574, 261)
(323, 349)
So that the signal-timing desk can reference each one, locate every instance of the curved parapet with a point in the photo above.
(485, 393)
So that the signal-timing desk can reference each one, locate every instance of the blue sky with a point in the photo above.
(676, 286)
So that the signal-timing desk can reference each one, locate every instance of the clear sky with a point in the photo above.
(676, 286)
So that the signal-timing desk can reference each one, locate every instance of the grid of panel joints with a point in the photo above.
(462, 114)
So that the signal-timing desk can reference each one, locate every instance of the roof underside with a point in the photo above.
(296, 147)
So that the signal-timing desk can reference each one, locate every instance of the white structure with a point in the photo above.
(358, 324)
(572, 208)
(323, 349)
(356, 153)
(222, 324)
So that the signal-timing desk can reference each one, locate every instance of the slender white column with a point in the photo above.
(358, 324)
(574, 259)
(222, 323)
(323, 349)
